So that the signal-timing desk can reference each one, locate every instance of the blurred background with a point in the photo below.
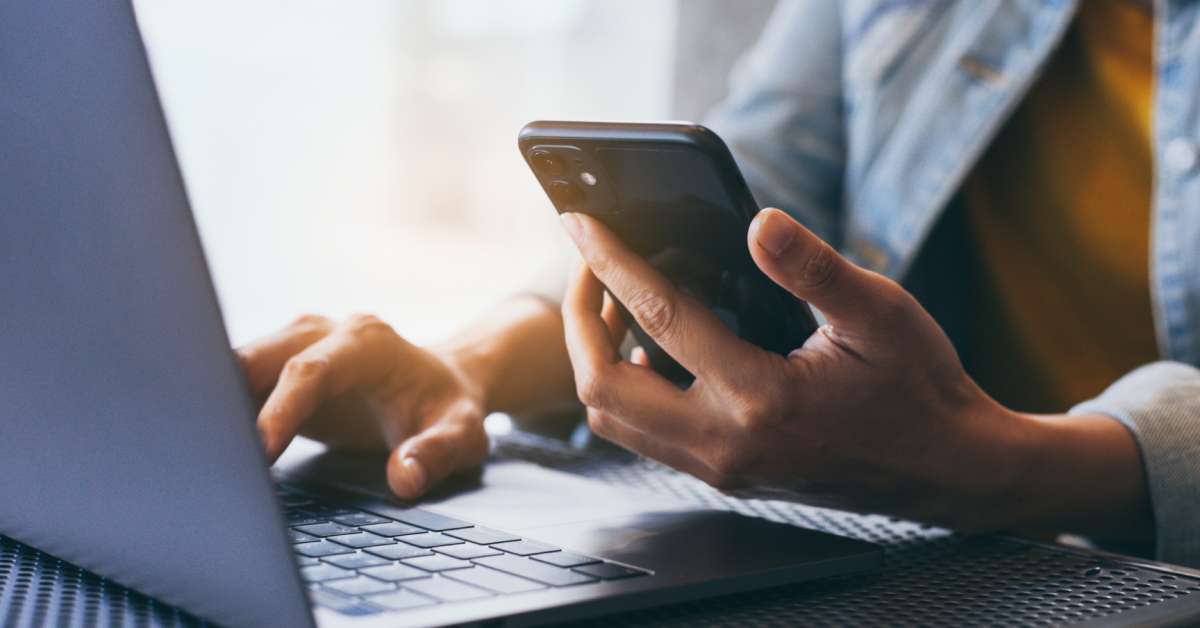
(361, 155)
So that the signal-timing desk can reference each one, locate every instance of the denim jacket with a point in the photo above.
(863, 117)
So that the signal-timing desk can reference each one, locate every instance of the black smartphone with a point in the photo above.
(674, 195)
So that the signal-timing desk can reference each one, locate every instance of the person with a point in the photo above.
(1013, 303)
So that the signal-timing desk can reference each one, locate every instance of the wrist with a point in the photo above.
(1092, 479)
(475, 371)
(497, 359)
(987, 471)
(1081, 474)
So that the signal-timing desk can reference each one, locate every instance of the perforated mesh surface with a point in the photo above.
(39, 590)
(931, 577)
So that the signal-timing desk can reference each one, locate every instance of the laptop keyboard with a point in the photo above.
(374, 557)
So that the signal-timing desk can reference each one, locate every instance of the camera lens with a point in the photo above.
(565, 196)
(547, 163)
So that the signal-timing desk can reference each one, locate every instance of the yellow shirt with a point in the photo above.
(1059, 209)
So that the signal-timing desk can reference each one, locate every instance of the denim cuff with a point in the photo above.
(1160, 404)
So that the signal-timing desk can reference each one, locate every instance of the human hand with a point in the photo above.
(358, 384)
(873, 413)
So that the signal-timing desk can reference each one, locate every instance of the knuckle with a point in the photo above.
(311, 323)
(655, 312)
(755, 415)
(727, 461)
(367, 326)
(305, 368)
(590, 388)
(599, 423)
(820, 268)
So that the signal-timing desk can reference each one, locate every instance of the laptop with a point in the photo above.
(127, 437)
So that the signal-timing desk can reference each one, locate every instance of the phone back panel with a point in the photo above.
(673, 194)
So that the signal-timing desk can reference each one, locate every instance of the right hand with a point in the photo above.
(357, 384)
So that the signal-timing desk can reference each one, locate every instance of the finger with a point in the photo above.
(445, 448)
(359, 352)
(638, 356)
(793, 257)
(614, 429)
(604, 381)
(263, 359)
(591, 333)
(617, 327)
(681, 325)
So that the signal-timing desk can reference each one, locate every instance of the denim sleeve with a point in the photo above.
(782, 118)
(1160, 404)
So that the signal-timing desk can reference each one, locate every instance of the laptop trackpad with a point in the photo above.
(707, 542)
(517, 496)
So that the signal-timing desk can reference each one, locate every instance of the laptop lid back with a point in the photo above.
(127, 439)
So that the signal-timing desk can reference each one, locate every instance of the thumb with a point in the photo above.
(793, 257)
(443, 449)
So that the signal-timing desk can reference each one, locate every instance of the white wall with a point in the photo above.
(361, 155)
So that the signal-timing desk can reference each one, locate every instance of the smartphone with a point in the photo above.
(674, 195)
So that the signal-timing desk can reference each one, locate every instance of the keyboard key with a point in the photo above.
(417, 517)
(345, 605)
(296, 536)
(300, 518)
(357, 560)
(540, 572)
(610, 571)
(483, 536)
(325, 529)
(467, 551)
(525, 548)
(361, 539)
(565, 559)
(437, 563)
(446, 590)
(393, 528)
(305, 561)
(398, 551)
(321, 573)
(429, 539)
(400, 600)
(359, 519)
(493, 580)
(359, 585)
(321, 548)
(395, 573)
(329, 510)
(291, 501)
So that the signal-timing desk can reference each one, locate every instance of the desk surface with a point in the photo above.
(931, 576)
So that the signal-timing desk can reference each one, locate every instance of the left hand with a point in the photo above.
(873, 413)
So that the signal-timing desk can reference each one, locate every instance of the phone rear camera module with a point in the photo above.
(546, 163)
(566, 197)
(587, 178)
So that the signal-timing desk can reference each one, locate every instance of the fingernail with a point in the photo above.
(573, 225)
(774, 233)
(414, 474)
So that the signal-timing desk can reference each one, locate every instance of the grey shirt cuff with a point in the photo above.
(1160, 404)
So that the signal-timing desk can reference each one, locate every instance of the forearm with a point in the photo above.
(515, 358)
